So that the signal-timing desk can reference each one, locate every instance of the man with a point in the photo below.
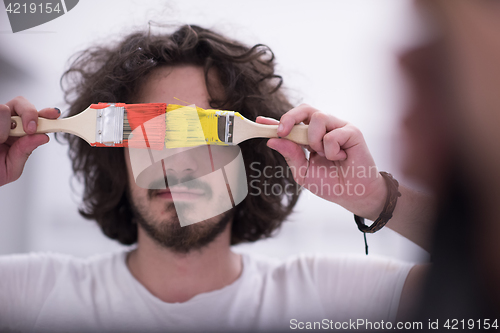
(453, 131)
(187, 278)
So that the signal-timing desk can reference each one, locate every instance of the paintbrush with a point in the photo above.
(188, 126)
(159, 125)
(105, 124)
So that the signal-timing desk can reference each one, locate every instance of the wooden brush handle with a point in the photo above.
(82, 125)
(254, 130)
(44, 126)
(297, 135)
(245, 129)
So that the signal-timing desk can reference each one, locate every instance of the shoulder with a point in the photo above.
(345, 286)
(36, 275)
(32, 262)
(339, 266)
(49, 265)
(29, 281)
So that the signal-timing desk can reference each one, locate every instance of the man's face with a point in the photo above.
(188, 192)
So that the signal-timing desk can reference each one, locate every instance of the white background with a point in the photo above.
(339, 56)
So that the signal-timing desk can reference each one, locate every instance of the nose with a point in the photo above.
(181, 163)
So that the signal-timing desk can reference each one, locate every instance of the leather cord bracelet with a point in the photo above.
(390, 204)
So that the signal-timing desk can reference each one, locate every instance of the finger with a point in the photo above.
(4, 123)
(302, 113)
(319, 125)
(20, 151)
(294, 156)
(266, 121)
(49, 113)
(22, 107)
(338, 141)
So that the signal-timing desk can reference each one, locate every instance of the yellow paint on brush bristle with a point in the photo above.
(189, 126)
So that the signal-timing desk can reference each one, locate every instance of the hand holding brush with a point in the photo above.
(14, 152)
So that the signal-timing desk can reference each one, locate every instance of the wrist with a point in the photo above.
(375, 201)
(390, 204)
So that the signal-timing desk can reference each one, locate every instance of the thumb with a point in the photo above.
(20, 151)
(294, 156)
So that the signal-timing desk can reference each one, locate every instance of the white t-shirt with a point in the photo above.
(58, 293)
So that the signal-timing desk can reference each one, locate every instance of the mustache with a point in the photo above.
(189, 182)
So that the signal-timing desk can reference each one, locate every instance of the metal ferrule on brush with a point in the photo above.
(228, 126)
(109, 125)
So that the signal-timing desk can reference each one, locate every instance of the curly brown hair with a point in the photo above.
(116, 73)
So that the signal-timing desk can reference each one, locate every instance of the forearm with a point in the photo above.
(414, 216)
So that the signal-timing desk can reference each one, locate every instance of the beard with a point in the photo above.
(169, 233)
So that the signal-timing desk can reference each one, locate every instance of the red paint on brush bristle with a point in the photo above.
(152, 116)
(97, 144)
(101, 105)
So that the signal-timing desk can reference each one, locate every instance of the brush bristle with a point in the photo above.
(149, 116)
(158, 126)
(189, 126)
